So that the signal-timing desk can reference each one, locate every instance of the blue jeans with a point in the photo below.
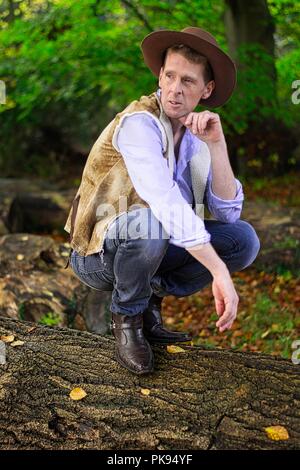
(134, 265)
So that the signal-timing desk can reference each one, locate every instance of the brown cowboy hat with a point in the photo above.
(224, 70)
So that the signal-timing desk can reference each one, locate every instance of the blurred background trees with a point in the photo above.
(69, 66)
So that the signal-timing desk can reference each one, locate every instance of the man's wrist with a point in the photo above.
(217, 144)
(220, 271)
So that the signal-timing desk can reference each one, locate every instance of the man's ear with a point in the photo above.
(209, 89)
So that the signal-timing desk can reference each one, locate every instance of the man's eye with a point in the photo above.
(187, 80)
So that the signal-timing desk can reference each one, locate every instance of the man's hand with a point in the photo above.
(205, 125)
(226, 298)
(226, 301)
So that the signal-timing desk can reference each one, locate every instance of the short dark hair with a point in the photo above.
(194, 57)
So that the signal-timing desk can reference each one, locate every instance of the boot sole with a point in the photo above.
(141, 372)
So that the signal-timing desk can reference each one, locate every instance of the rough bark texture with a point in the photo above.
(199, 399)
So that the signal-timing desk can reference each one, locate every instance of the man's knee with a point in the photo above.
(248, 240)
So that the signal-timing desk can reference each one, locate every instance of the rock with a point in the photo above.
(33, 206)
(34, 285)
(39, 213)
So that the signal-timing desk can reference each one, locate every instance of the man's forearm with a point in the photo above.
(223, 181)
(206, 255)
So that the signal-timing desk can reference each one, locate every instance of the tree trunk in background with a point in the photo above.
(199, 399)
(248, 23)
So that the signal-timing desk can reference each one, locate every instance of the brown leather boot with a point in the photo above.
(132, 349)
(153, 326)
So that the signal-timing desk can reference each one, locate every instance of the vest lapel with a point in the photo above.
(199, 167)
(166, 123)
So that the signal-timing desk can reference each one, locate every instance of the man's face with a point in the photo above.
(182, 85)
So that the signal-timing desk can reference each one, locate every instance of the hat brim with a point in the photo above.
(154, 45)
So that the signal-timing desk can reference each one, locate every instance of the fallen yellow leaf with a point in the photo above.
(77, 393)
(7, 339)
(171, 348)
(277, 433)
(17, 343)
(203, 333)
(145, 391)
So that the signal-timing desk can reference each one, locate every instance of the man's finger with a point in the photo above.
(229, 323)
(195, 124)
(220, 307)
(184, 119)
(203, 123)
(187, 119)
(229, 312)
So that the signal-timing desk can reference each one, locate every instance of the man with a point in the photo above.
(136, 225)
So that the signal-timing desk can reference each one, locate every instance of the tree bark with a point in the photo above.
(199, 399)
(250, 29)
(248, 23)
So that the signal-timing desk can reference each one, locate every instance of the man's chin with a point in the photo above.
(175, 114)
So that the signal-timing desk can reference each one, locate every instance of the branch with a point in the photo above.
(137, 12)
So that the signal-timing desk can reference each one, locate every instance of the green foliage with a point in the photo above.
(50, 319)
(255, 99)
(274, 324)
(70, 66)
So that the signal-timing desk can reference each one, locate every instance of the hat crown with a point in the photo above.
(201, 34)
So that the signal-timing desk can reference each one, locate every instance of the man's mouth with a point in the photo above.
(174, 102)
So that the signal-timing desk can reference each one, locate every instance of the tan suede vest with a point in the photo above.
(106, 190)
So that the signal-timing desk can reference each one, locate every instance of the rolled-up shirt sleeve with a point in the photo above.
(139, 140)
(225, 210)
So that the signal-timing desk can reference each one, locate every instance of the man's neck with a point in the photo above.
(178, 131)
(177, 127)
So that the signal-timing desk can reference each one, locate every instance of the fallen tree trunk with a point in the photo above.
(199, 399)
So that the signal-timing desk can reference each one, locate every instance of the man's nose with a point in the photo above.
(176, 86)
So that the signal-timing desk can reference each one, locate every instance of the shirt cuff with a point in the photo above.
(188, 243)
(239, 196)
